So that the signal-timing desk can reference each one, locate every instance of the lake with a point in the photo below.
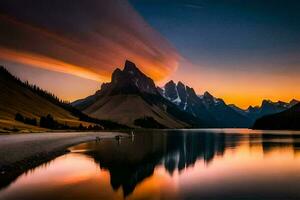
(170, 164)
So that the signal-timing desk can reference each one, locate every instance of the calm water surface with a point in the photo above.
(186, 164)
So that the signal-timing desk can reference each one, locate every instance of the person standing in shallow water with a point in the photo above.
(132, 136)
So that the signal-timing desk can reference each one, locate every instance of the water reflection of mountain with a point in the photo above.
(129, 163)
(183, 150)
(271, 142)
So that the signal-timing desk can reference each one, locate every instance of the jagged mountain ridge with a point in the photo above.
(212, 110)
(267, 107)
(131, 96)
(287, 120)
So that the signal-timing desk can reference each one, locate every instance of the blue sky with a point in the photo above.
(228, 33)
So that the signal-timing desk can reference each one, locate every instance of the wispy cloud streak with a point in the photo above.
(87, 38)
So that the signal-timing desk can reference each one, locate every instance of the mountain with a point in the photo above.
(31, 103)
(288, 120)
(267, 107)
(186, 100)
(213, 111)
(237, 109)
(132, 98)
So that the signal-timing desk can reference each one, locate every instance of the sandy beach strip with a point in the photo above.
(21, 151)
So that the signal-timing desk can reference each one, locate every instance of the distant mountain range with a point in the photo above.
(267, 107)
(287, 120)
(213, 111)
(132, 98)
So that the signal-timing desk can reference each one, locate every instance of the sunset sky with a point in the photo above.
(239, 50)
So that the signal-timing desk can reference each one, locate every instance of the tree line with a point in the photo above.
(61, 103)
(49, 122)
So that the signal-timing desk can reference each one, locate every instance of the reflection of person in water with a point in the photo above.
(118, 138)
(132, 136)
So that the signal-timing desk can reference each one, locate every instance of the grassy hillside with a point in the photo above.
(31, 102)
(18, 97)
(127, 108)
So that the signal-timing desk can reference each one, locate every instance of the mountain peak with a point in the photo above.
(293, 102)
(208, 95)
(130, 67)
(171, 90)
(250, 108)
(180, 84)
(130, 80)
(171, 82)
(117, 73)
(191, 91)
(266, 101)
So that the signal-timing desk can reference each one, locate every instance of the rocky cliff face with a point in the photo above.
(212, 110)
(132, 98)
(130, 80)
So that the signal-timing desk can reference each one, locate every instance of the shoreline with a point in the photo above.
(20, 153)
(27, 131)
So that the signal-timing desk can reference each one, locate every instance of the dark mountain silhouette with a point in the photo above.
(186, 100)
(130, 96)
(23, 99)
(288, 119)
(209, 109)
(267, 107)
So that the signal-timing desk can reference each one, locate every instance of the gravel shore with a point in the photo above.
(20, 151)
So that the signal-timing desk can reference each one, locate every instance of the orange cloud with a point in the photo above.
(86, 38)
(48, 63)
